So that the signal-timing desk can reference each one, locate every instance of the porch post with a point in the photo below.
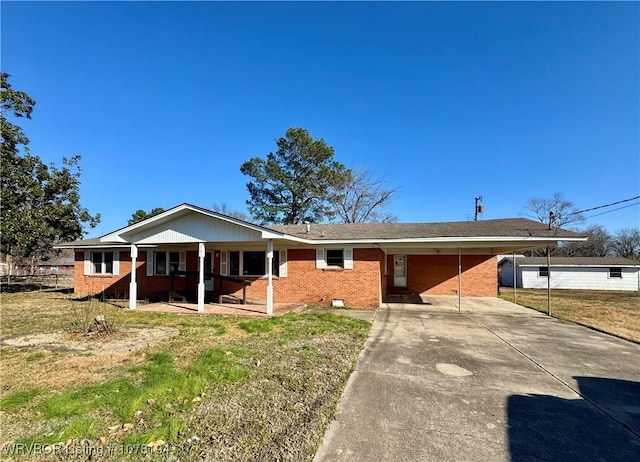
(269, 277)
(201, 254)
(133, 285)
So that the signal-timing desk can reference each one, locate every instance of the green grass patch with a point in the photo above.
(155, 390)
(19, 399)
(226, 388)
(262, 324)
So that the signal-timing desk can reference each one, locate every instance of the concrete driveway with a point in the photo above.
(494, 382)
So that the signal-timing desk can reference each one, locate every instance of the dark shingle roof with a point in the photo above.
(577, 261)
(508, 227)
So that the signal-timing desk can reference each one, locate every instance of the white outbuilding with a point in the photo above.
(591, 273)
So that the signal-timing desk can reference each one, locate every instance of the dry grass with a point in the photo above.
(615, 312)
(223, 388)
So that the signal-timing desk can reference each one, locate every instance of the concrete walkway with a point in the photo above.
(494, 382)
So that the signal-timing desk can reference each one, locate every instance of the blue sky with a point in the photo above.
(446, 100)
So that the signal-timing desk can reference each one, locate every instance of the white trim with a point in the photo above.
(347, 255)
(87, 263)
(320, 259)
(116, 263)
(283, 264)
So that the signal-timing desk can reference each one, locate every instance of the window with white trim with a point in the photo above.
(543, 271)
(253, 263)
(101, 263)
(162, 263)
(334, 258)
(615, 273)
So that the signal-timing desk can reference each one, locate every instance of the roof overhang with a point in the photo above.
(443, 245)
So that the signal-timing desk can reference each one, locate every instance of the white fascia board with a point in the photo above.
(106, 245)
(439, 241)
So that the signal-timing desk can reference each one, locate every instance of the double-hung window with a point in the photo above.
(101, 262)
(543, 271)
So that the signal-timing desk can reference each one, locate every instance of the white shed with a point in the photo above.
(595, 273)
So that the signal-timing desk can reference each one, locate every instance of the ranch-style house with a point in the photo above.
(204, 256)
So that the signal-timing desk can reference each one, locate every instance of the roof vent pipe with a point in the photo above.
(307, 225)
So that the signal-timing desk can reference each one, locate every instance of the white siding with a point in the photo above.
(196, 228)
(593, 278)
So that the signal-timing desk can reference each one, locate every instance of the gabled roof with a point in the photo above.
(180, 210)
(118, 238)
(576, 261)
(497, 235)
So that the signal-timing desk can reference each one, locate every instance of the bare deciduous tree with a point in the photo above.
(363, 199)
(555, 211)
(599, 244)
(224, 209)
(626, 243)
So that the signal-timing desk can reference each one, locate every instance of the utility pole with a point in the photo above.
(478, 208)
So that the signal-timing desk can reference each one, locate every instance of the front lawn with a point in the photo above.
(615, 312)
(223, 388)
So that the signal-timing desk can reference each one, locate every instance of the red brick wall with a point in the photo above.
(118, 286)
(360, 286)
(438, 274)
(112, 286)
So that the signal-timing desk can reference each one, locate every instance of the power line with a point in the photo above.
(609, 211)
(606, 205)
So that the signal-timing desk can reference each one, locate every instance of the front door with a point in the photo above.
(400, 271)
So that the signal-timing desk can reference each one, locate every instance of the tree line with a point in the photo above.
(556, 211)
